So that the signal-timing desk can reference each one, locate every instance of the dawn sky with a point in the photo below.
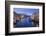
(26, 11)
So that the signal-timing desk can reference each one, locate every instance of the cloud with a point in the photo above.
(26, 11)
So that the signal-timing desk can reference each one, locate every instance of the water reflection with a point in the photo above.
(25, 22)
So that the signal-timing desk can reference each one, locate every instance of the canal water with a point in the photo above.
(26, 22)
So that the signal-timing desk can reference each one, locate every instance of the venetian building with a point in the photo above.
(35, 16)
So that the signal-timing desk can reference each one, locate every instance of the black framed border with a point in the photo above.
(7, 3)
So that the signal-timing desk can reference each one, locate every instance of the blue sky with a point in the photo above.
(26, 11)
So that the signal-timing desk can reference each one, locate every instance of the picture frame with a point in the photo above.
(10, 30)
